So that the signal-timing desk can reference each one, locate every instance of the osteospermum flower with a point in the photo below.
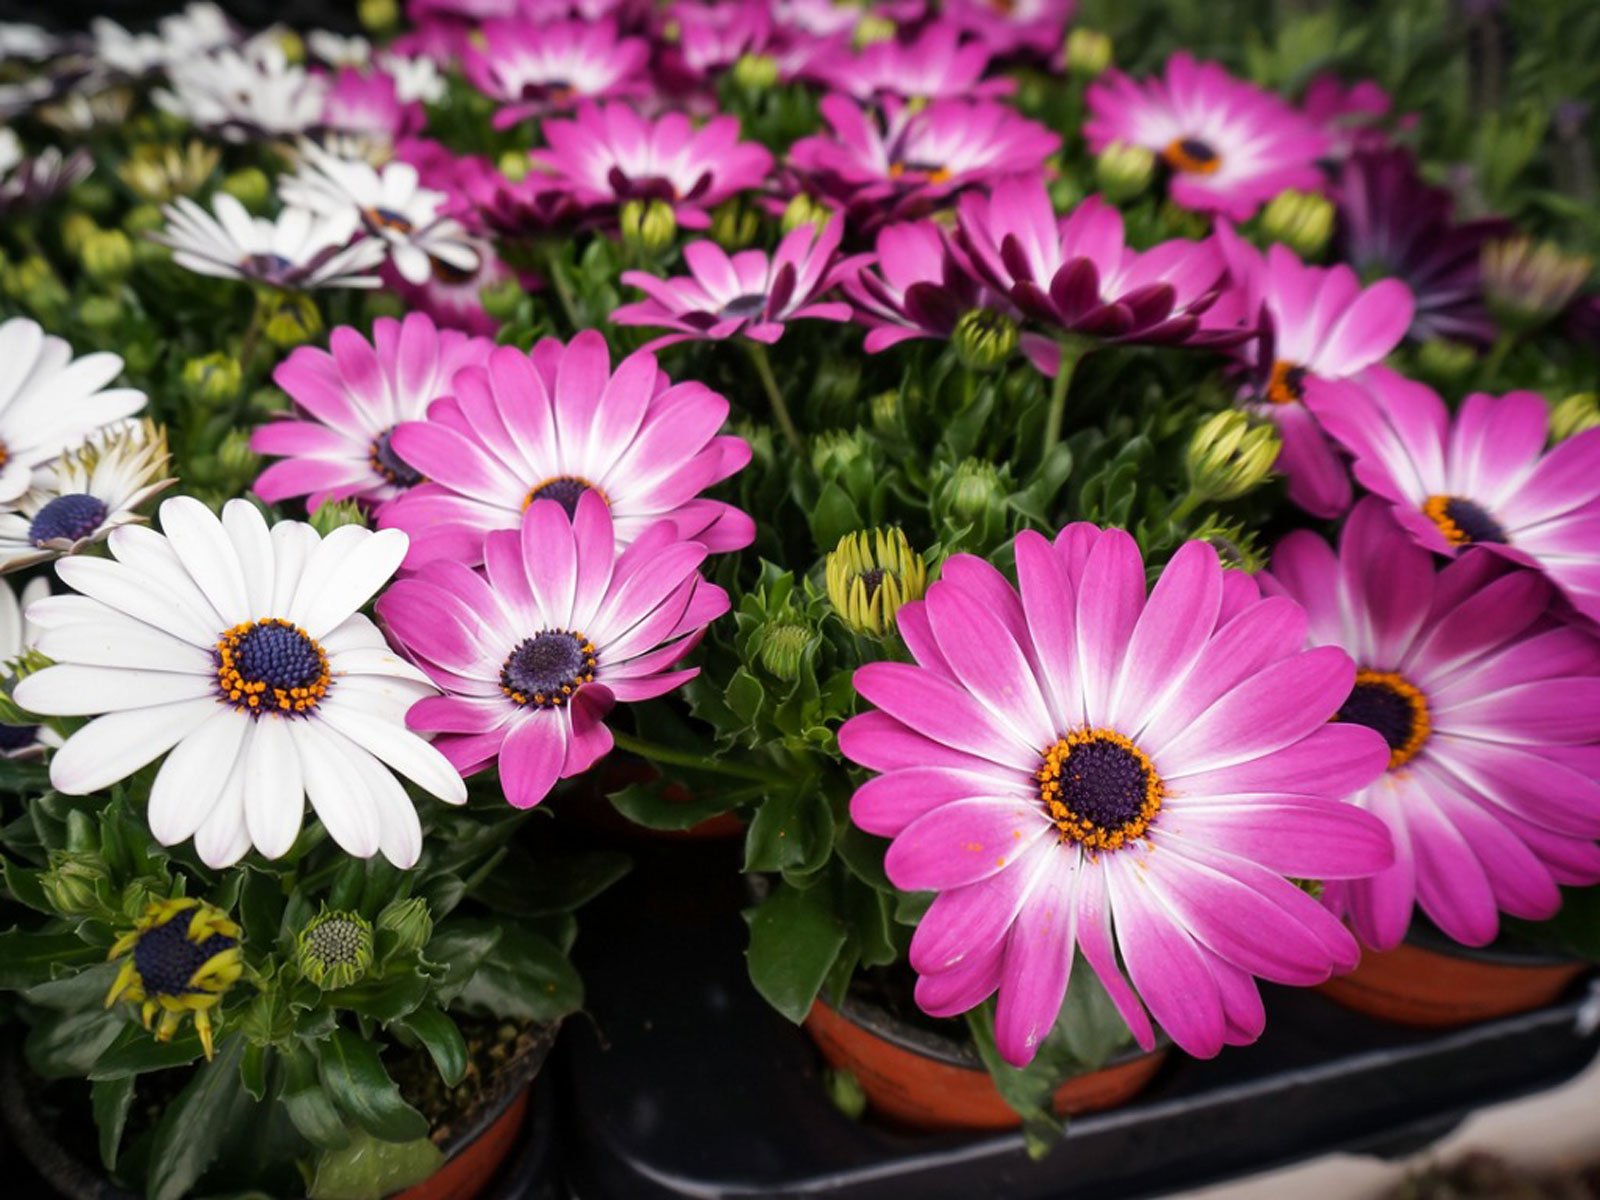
(907, 160)
(937, 64)
(532, 68)
(1011, 26)
(244, 93)
(179, 960)
(917, 283)
(533, 654)
(368, 104)
(1480, 480)
(85, 494)
(1081, 768)
(29, 181)
(389, 204)
(1076, 275)
(51, 402)
(712, 37)
(350, 398)
(177, 38)
(1230, 145)
(609, 154)
(454, 298)
(1319, 326)
(17, 636)
(558, 424)
(242, 651)
(1492, 719)
(751, 295)
(297, 250)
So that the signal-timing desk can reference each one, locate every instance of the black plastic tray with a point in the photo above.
(687, 1084)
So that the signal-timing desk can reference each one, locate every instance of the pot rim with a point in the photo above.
(1423, 936)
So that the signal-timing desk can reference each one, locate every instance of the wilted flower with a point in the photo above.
(870, 574)
(179, 960)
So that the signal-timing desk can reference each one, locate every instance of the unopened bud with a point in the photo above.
(885, 408)
(805, 210)
(873, 28)
(734, 224)
(1444, 361)
(984, 339)
(334, 514)
(335, 949)
(514, 165)
(107, 255)
(974, 493)
(1088, 52)
(783, 649)
(1528, 282)
(75, 881)
(76, 229)
(249, 186)
(871, 574)
(409, 920)
(648, 227)
(234, 456)
(1302, 221)
(103, 314)
(755, 72)
(1123, 171)
(1229, 455)
(378, 16)
(501, 300)
(291, 319)
(1576, 414)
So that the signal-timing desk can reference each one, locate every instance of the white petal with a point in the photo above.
(274, 787)
(398, 747)
(359, 632)
(76, 690)
(191, 780)
(10, 618)
(335, 788)
(114, 747)
(207, 553)
(140, 595)
(115, 640)
(293, 543)
(373, 660)
(400, 836)
(252, 542)
(344, 573)
(223, 840)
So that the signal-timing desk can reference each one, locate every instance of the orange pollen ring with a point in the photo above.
(1059, 772)
(1191, 156)
(565, 490)
(1287, 383)
(1421, 722)
(935, 175)
(257, 696)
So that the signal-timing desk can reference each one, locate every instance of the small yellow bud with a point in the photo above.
(648, 226)
(1123, 171)
(871, 574)
(1574, 415)
(1088, 52)
(1302, 221)
(1229, 455)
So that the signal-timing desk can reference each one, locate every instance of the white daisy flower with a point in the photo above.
(245, 92)
(17, 637)
(86, 494)
(26, 42)
(50, 402)
(414, 78)
(242, 650)
(196, 30)
(337, 50)
(297, 249)
(390, 205)
(10, 150)
(30, 182)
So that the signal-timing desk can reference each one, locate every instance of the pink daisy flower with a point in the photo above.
(1318, 326)
(1230, 145)
(1013, 26)
(349, 399)
(533, 68)
(1492, 718)
(1082, 768)
(1483, 479)
(368, 103)
(610, 154)
(905, 162)
(1076, 275)
(917, 284)
(1351, 117)
(532, 653)
(712, 37)
(937, 64)
(558, 424)
(751, 294)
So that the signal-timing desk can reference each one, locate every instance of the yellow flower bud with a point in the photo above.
(1229, 455)
(871, 574)
(1302, 221)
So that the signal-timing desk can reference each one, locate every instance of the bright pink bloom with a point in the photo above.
(918, 283)
(1349, 116)
(712, 37)
(558, 424)
(532, 654)
(1318, 326)
(1230, 145)
(904, 163)
(1482, 479)
(1492, 717)
(750, 294)
(1013, 26)
(938, 64)
(533, 68)
(339, 444)
(366, 102)
(1084, 769)
(609, 154)
(1076, 274)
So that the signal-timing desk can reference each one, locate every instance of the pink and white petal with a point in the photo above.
(1173, 629)
(967, 921)
(886, 804)
(532, 757)
(964, 986)
(1037, 966)
(963, 841)
(1099, 950)
(1110, 601)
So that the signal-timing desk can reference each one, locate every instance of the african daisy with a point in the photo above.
(298, 249)
(533, 68)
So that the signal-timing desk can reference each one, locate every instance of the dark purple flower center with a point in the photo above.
(269, 267)
(1463, 522)
(872, 580)
(545, 670)
(17, 737)
(1099, 788)
(167, 959)
(1287, 383)
(271, 666)
(70, 517)
(387, 219)
(383, 459)
(1191, 155)
(565, 490)
(1393, 706)
(742, 308)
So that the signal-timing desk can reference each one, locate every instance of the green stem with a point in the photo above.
(656, 752)
(1497, 356)
(557, 270)
(1191, 501)
(780, 410)
(1072, 352)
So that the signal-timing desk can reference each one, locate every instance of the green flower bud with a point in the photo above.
(1229, 455)
(144, 218)
(648, 227)
(1236, 546)
(984, 339)
(834, 450)
(94, 195)
(515, 165)
(805, 210)
(378, 16)
(32, 282)
(838, 382)
(335, 949)
(885, 408)
(234, 456)
(1444, 361)
(755, 72)
(76, 882)
(873, 28)
(1574, 415)
(1311, 887)
(1088, 52)
(249, 186)
(871, 574)
(783, 649)
(76, 229)
(107, 255)
(1302, 221)
(1123, 171)
(333, 514)
(410, 922)
(1528, 282)
(734, 224)
(501, 300)
(973, 491)
(102, 313)
(1065, 188)
(845, 1092)
(290, 319)
(1180, 222)
(382, 303)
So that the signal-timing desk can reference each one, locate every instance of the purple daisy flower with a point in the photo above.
(558, 424)
(1013, 26)
(907, 161)
(1483, 479)
(349, 398)
(1392, 223)
(1080, 768)
(368, 103)
(918, 283)
(940, 63)
(1491, 714)
(533, 68)
(609, 154)
(751, 295)
(532, 653)
(712, 37)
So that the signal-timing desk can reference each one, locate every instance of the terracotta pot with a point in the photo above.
(1433, 983)
(468, 1172)
(916, 1078)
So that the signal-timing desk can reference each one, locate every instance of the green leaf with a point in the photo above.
(360, 1085)
(23, 884)
(530, 887)
(1030, 1090)
(435, 1030)
(388, 998)
(659, 806)
(791, 831)
(833, 516)
(65, 1045)
(136, 1052)
(460, 946)
(794, 938)
(85, 990)
(111, 1099)
(524, 975)
(28, 958)
(368, 1169)
(253, 1070)
(307, 1104)
(195, 1124)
